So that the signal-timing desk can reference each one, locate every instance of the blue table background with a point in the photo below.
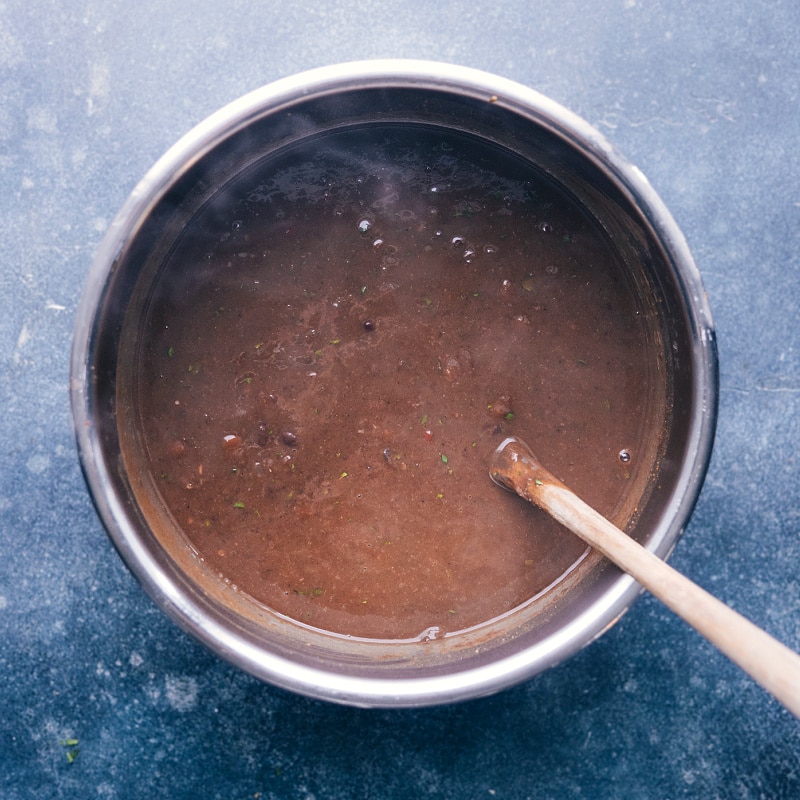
(704, 98)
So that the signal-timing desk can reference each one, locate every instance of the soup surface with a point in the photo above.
(336, 345)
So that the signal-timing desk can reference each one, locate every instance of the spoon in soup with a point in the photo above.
(770, 663)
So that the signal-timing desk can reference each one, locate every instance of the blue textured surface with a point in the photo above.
(704, 98)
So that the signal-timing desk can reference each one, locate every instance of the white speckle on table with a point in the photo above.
(106, 790)
(10, 49)
(98, 88)
(38, 463)
(181, 692)
(135, 659)
(42, 119)
(152, 692)
(23, 339)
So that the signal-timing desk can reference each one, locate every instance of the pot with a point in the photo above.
(304, 112)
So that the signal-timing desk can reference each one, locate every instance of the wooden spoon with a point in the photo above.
(766, 660)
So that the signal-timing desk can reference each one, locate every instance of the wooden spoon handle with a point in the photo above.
(765, 659)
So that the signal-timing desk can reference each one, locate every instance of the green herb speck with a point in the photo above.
(315, 592)
(238, 504)
(72, 749)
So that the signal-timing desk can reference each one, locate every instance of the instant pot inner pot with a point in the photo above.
(352, 124)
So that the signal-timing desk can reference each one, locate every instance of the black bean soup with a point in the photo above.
(336, 345)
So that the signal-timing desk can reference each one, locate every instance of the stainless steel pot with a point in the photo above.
(573, 154)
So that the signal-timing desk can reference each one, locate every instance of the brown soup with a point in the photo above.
(337, 343)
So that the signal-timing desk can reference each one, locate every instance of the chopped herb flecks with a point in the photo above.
(72, 751)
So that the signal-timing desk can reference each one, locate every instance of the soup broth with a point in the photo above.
(340, 339)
